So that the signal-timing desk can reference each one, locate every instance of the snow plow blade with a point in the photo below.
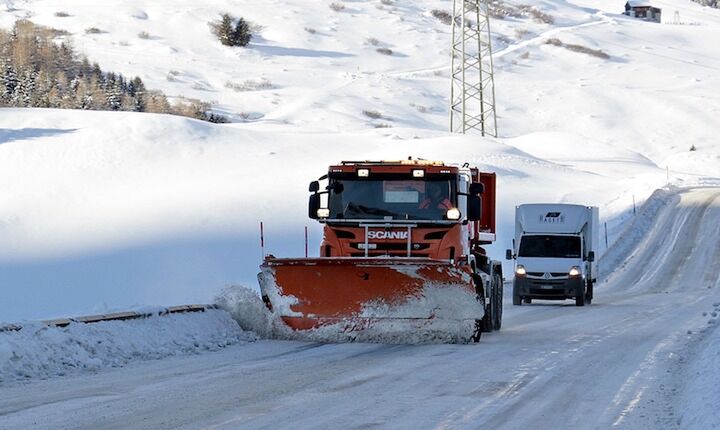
(372, 299)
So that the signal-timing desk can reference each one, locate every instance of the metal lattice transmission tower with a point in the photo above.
(472, 94)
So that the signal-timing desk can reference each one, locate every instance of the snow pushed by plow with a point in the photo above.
(450, 318)
(39, 351)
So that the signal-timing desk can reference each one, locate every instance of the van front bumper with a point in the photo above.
(548, 289)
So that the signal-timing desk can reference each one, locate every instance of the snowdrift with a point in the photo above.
(39, 351)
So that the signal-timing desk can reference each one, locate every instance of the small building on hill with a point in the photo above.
(642, 9)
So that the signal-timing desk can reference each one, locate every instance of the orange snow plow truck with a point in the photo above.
(402, 252)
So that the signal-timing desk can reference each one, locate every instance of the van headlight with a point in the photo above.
(323, 213)
(453, 214)
(520, 270)
(575, 271)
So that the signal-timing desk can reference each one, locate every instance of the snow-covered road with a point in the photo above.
(620, 361)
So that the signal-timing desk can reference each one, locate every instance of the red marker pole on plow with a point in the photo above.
(262, 242)
(306, 242)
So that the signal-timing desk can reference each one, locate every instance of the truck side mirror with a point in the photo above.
(508, 254)
(476, 189)
(313, 206)
(591, 256)
(314, 187)
(474, 208)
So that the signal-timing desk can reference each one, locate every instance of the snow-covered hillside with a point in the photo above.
(111, 210)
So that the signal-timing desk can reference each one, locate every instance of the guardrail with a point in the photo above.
(116, 316)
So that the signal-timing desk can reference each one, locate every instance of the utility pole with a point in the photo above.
(472, 93)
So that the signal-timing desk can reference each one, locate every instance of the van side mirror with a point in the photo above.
(314, 187)
(508, 254)
(474, 208)
(591, 256)
(476, 189)
(313, 206)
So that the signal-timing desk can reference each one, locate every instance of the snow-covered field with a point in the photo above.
(106, 211)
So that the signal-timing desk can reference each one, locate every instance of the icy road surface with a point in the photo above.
(621, 361)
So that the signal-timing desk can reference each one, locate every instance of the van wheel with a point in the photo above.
(589, 293)
(580, 298)
(527, 300)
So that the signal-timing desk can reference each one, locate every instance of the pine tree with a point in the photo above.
(8, 82)
(224, 29)
(241, 34)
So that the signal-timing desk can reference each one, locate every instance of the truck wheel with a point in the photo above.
(589, 293)
(487, 321)
(580, 297)
(497, 323)
(475, 338)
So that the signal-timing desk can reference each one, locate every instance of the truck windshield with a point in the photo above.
(391, 199)
(550, 246)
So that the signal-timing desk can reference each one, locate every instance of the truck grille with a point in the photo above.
(390, 254)
(390, 246)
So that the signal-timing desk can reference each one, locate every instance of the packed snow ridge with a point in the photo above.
(38, 351)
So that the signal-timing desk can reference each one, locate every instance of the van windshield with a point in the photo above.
(547, 246)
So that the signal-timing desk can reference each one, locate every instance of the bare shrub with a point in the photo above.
(250, 85)
(384, 51)
(337, 6)
(578, 48)
(525, 55)
(499, 10)
(589, 51)
(386, 2)
(693, 148)
(93, 30)
(383, 125)
(310, 30)
(144, 35)
(62, 14)
(420, 108)
(373, 41)
(373, 114)
(554, 41)
(442, 15)
(536, 14)
(520, 33)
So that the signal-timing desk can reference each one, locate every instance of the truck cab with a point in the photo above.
(554, 252)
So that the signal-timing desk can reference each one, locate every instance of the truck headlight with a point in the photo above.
(453, 214)
(520, 270)
(323, 213)
(575, 271)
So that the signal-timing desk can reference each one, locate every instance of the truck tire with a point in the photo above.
(497, 323)
(475, 338)
(589, 292)
(487, 321)
(580, 297)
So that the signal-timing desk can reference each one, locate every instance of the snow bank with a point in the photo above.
(701, 401)
(635, 230)
(38, 351)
